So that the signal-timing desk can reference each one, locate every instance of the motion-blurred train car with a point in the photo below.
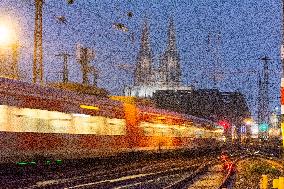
(42, 122)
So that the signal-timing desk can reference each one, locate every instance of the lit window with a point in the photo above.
(3, 117)
(116, 126)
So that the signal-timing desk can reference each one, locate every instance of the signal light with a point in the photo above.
(224, 124)
(263, 127)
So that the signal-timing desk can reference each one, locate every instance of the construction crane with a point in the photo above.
(38, 49)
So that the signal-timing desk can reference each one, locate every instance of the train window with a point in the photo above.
(3, 117)
(81, 123)
(18, 121)
(148, 131)
(163, 130)
(206, 134)
(27, 124)
(116, 126)
(23, 119)
(41, 121)
(59, 126)
(191, 132)
(176, 131)
(86, 124)
(52, 121)
(96, 124)
(199, 133)
(184, 131)
(166, 132)
(43, 126)
(158, 129)
(147, 128)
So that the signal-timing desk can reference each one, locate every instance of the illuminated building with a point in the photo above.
(147, 78)
(206, 103)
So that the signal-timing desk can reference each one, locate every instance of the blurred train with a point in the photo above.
(37, 121)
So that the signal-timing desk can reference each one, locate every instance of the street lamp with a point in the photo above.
(248, 129)
(7, 36)
(8, 40)
(248, 121)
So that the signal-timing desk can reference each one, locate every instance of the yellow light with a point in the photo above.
(248, 121)
(275, 183)
(7, 35)
(125, 99)
(4, 33)
(89, 107)
(282, 131)
(161, 117)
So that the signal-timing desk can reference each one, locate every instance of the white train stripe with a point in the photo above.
(282, 82)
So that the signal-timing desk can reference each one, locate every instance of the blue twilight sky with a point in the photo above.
(248, 30)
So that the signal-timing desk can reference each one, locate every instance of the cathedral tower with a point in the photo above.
(170, 72)
(148, 79)
(143, 70)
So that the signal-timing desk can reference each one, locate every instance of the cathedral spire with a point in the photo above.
(143, 70)
(170, 72)
(145, 41)
(171, 36)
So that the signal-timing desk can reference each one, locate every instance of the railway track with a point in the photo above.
(210, 175)
(158, 179)
(167, 174)
(174, 178)
(133, 170)
(126, 177)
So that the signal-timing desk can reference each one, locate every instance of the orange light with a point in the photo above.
(89, 107)
(161, 117)
(248, 121)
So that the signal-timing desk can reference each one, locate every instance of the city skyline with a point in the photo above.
(245, 31)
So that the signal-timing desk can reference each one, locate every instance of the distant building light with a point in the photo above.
(263, 127)
(254, 129)
(243, 129)
(248, 121)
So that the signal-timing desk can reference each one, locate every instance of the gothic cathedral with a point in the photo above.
(167, 76)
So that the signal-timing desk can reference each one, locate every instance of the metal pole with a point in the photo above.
(84, 63)
(65, 66)
(264, 94)
(15, 58)
(38, 57)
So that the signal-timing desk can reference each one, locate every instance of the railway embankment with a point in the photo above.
(251, 170)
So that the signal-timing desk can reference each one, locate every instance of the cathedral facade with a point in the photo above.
(147, 78)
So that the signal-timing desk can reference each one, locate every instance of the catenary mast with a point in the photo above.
(37, 60)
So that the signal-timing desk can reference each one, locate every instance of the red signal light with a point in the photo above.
(224, 124)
